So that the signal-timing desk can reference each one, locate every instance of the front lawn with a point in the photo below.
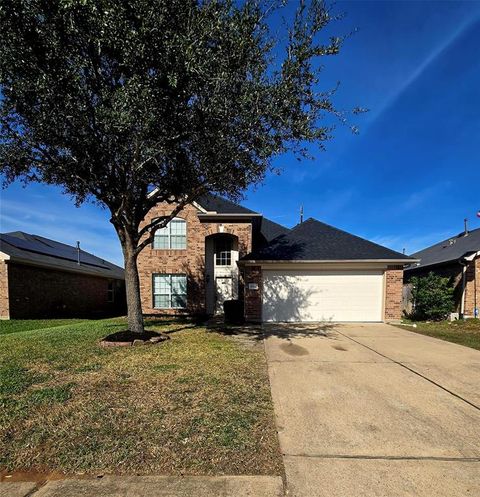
(462, 332)
(197, 404)
(16, 325)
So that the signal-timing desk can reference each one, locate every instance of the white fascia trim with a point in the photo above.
(195, 204)
(4, 256)
(215, 214)
(199, 207)
(471, 257)
(155, 190)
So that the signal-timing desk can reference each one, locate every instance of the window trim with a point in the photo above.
(218, 257)
(170, 294)
(169, 235)
(110, 292)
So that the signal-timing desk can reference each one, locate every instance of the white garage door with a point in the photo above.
(316, 295)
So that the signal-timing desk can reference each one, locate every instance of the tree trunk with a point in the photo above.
(132, 284)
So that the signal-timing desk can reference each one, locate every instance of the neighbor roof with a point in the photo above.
(451, 249)
(40, 251)
(313, 240)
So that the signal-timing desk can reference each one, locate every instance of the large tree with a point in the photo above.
(114, 99)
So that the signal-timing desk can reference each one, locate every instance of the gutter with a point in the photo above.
(328, 261)
(219, 217)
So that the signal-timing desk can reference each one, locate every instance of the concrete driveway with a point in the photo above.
(374, 410)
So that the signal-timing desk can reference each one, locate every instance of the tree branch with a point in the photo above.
(161, 222)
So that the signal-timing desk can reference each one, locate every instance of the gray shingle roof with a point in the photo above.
(221, 205)
(264, 229)
(451, 249)
(270, 230)
(314, 240)
(40, 251)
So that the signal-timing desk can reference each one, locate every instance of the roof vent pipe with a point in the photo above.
(465, 223)
(78, 253)
(301, 214)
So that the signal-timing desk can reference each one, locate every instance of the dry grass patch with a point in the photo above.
(196, 404)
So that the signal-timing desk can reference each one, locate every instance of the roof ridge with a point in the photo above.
(323, 238)
(361, 238)
(275, 222)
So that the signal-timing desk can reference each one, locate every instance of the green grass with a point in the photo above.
(465, 333)
(19, 325)
(198, 403)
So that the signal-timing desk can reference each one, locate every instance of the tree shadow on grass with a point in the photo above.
(173, 324)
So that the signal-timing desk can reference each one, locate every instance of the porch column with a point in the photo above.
(253, 293)
(393, 293)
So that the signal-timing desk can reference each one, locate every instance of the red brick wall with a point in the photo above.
(37, 292)
(190, 261)
(253, 297)
(472, 287)
(4, 305)
(393, 293)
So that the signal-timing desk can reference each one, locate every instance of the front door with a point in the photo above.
(223, 291)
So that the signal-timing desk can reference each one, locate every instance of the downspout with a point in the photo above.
(464, 281)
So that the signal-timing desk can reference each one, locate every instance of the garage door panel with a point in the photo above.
(322, 295)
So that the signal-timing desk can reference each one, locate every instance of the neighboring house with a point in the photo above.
(43, 278)
(457, 258)
(216, 250)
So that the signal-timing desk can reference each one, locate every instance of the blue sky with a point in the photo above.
(406, 181)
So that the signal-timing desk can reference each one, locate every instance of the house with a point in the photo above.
(457, 258)
(216, 250)
(42, 278)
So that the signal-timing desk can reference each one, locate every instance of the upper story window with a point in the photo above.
(223, 252)
(172, 236)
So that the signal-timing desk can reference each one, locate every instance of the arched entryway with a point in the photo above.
(221, 270)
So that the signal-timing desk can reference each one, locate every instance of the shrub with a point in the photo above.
(432, 297)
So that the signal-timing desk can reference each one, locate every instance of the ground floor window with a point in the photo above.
(169, 291)
(110, 292)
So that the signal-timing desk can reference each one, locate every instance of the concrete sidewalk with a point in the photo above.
(150, 486)
(373, 410)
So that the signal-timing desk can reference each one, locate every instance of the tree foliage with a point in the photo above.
(110, 98)
(432, 297)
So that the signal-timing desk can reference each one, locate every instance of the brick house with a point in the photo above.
(457, 258)
(42, 278)
(216, 250)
